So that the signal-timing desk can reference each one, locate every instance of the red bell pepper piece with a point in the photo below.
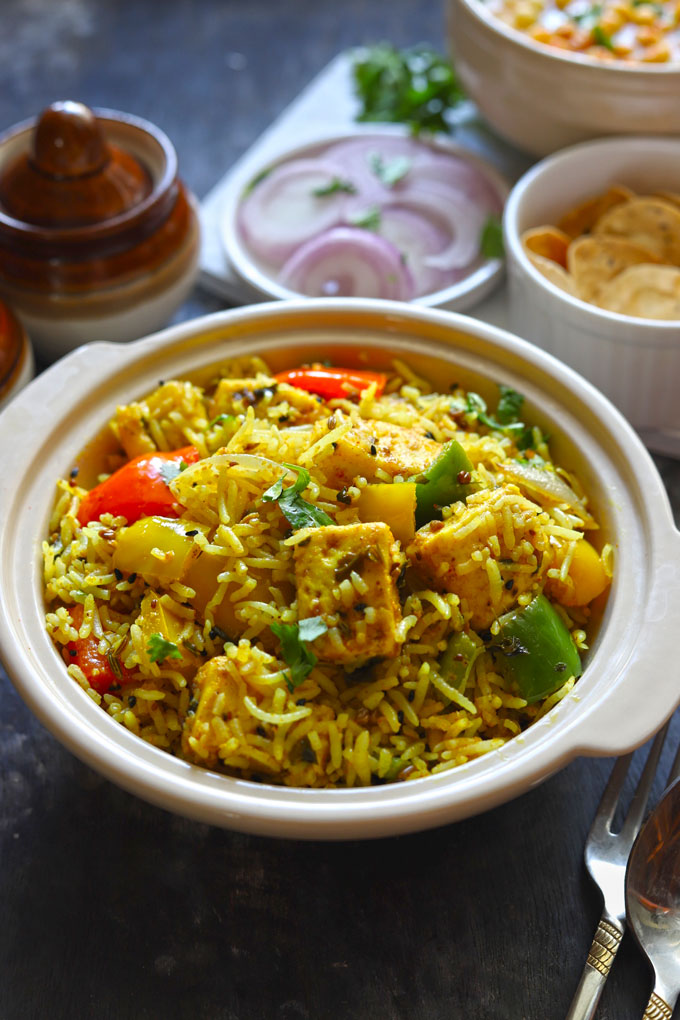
(84, 652)
(138, 489)
(333, 382)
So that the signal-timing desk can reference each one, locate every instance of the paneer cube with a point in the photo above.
(373, 445)
(347, 575)
(219, 687)
(488, 552)
(267, 397)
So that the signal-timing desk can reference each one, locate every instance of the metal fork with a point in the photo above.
(606, 856)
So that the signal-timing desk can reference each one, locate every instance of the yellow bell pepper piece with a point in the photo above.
(157, 547)
(154, 618)
(393, 503)
(587, 574)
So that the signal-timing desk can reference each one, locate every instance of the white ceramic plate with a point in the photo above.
(263, 285)
(628, 687)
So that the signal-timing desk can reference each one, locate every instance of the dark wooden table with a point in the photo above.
(110, 908)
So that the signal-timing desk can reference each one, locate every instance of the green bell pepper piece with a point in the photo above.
(441, 484)
(458, 658)
(537, 649)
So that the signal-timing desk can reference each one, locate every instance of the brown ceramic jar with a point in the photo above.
(99, 238)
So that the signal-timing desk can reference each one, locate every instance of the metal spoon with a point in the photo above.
(653, 897)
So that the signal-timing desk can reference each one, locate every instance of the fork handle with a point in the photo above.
(657, 1009)
(596, 971)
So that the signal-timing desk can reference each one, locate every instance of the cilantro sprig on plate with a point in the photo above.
(415, 86)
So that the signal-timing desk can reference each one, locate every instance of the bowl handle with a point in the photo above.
(74, 374)
(651, 677)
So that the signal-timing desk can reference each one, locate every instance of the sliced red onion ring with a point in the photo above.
(454, 173)
(348, 262)
(445, 208)
(416, 237)
(356, 156)
(282, 211)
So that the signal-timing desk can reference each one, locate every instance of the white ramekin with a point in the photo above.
(627, 689)
(542, 98)
(636, 362)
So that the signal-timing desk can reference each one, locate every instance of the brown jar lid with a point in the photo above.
(72, 176)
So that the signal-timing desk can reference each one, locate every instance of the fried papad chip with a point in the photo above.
(668, 196)
(582, 218)
(645, 291)
(593, 261)
(550, 242)
(553, 272)
(649, 222)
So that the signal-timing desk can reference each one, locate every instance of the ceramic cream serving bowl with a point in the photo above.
(542, 98)
(635, 361)
(625, 693)
(261, 280)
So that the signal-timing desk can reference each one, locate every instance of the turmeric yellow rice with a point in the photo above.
(322, 577)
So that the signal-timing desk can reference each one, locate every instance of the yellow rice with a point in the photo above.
(399, 719)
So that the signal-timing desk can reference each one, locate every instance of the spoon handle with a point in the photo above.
(596, 971)
(657, 1009)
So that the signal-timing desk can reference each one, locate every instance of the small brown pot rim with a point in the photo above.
(117, 224)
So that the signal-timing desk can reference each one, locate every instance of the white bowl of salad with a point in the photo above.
(375, 212)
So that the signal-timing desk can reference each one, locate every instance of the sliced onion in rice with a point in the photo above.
(282, 211)
(545, 483)
(348, 262)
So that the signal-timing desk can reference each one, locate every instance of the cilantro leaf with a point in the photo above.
(507, 422)
(159, 648)
(257, 179)
(389, 173)
(274, 491)
(491, 240)
(297, 511)
(334, 187)
(509, 405)
(601, 38)
(222, 419)
(367, 220)
(415, 86)
(296, 654)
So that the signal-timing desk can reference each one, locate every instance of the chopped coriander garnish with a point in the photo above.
(415, 86)
(367, 220)
(334, 187)
(509, 405)
(390, 172)
(491, 240)
(296, 654)
(222, 419)
(159, 648)
(525, 437)
(601, 38)
(297, 511)
(256, 180)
